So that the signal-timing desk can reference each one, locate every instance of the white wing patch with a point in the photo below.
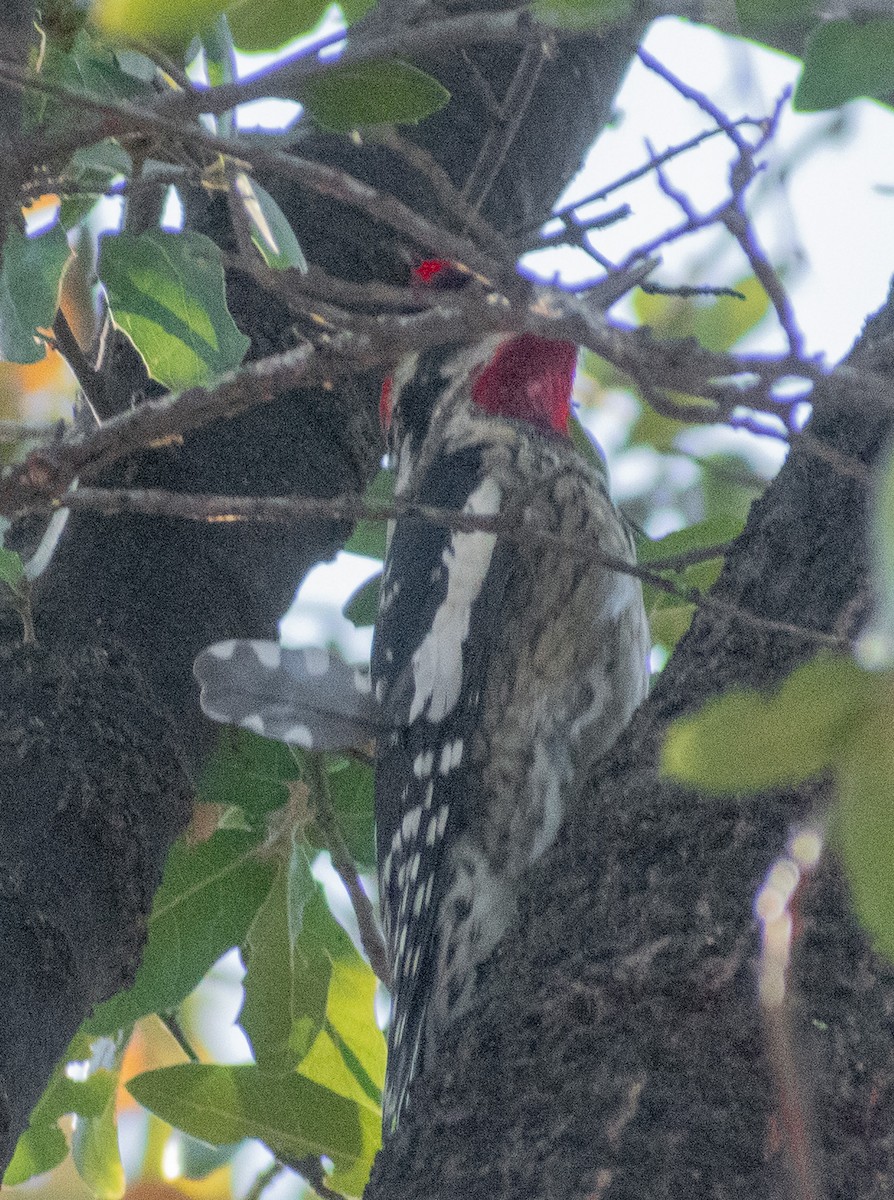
(438, 662)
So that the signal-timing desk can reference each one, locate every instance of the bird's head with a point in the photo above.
(522, 377)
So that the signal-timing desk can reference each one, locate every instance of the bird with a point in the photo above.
(507, 657)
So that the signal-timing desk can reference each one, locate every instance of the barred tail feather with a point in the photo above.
(308, 697)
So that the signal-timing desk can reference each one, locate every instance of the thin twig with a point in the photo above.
(676, 366)
(689, 558)
(453, 204)
(742, 173)
(175, 1029)
(717, 115)
(285, 509)
(649, 167)
(122, 117)
(264, 1178)
(843, 464)
(406, 41)
(312, 1170)
(686, 291)
(89, 379)
(501, 135)
(345, 867)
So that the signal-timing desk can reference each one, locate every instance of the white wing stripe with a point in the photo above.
(438, 662)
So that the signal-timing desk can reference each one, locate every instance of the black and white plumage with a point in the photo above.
(502, 666)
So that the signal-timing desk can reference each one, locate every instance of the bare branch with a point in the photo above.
(121, 117)
(346, 868)
(286, 509)
(683, 366)
(689, 558)
(453, 205)
(21, 431)
(503, 132)
(742, 173)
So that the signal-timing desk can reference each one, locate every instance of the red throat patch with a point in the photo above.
(530, 378)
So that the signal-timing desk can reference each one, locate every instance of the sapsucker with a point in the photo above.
(502, 665)
(505, 661)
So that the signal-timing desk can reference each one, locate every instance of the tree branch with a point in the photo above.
(513, 26)
(686, 367)
(289, 509)
(346, 868)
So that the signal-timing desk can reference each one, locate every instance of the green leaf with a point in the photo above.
(93, 168)
(846, 60)
(166, 292)
(581, 14)
(728, 487)
(91, 172)
(94, 1148)
(721, 324)
(711, 532)
(271, 233)
(88, 66)
(88, 1097)
(669, 618)
(220, 64)
(11, 570)
(761, 13)
(325, 1063)
(370, 537)
(248, 772)
(655, 430)
(29, 291)
(292, 1115)
(146, 20)
(259, 25)
(207, 900)
(864, 824)
(668, 622)
(39, 1149)
(716, 324)
(372, 93)
(588, 448)
(197, 1159)
(353, 10)
(287, 971)
(351, 793)
(350, 1015)
(309, 996)
(747, 741)
(363, 605)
